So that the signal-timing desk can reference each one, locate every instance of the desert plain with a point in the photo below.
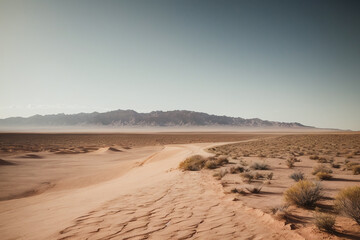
(135, 185)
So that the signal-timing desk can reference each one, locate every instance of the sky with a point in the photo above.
(289, 61)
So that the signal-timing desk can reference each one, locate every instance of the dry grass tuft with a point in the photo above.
(290, 163)
(210, 164)
(321, 168)
(323, 176)
(348, 202)
(260, 166)
(297, 176)
(248, 176)
(280, 212)
(324, 221)
(254, 189)
(193, 163)
(356, 169)
(304, 194)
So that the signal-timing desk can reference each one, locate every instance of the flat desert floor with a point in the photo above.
(129, 186)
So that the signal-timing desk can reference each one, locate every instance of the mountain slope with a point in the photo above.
(133, 118)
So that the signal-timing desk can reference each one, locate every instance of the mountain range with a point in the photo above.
(120, 118)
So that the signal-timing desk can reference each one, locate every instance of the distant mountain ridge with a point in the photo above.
(119, 118)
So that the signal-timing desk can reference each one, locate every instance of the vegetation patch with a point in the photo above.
(348, 202)
(324, 221)
(304, 194)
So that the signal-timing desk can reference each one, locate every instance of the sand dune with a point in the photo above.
(150, 199)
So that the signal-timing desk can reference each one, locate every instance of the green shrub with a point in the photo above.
(303, 193)
(348, 202)
(324, 222)
(193, 163)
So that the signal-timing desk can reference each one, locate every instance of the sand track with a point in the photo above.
(183, 208)
(150, 201)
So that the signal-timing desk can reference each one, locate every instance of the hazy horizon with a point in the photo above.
(284, 61)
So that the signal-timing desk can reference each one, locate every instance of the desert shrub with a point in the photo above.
(238, 169)
(280, 212)
(244, 163)
(260, 166)
(254, 189)
(221, 161)
(210, 164)
(321, 168)
(297, 176)
(220, 174)
(258, 175)
(350, 165)
(322, 160)
(335, 165)
(248, 176)
(324, 221)
(237, 190)
(348, 202)
(290, 163)
(193, 163)
(356, 170)
(314, 157)
(269, 176)
(303, 193)
(323, 176)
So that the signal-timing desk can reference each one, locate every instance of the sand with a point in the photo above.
(116, 192)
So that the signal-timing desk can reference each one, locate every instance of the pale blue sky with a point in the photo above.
(282, 61)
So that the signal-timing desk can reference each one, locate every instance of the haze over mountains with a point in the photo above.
(123, 118)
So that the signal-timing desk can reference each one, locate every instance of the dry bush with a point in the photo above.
(210, 164)
(303, 193)
(324, 221)
(237, 169)
(356, 170)
(193, 163)
(348, 202)
(314, 157)
(280, 212)
(248, 176)
(270, 176)
(254, 189)
(220, 161)
(322, 160)
(260, 166)
(335, 165)
(290, 163)
(350, 165)
(297, 176)
(321, 168)
(258, 175)
(237, 190)
(323, 176)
